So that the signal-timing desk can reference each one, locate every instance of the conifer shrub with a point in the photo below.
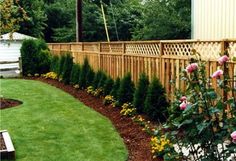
(83, 74)
(75, 72)
(126, 90)
(67, 67)
(96, 79)
(54, 64)
(44, 61)
(108, 86)
(141, 92)
(102, 80)
(61, 65)
(156, 103)
(90, 77)
(115, 88)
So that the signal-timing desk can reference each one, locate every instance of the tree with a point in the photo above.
(166, 19)
(12, 14)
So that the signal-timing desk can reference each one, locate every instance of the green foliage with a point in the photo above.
(84, 72)
(141, 92)
(35, 57)
(75, 72)
(164, 20)
(54, 66)
(67, 67)
(102, 80)
(107, 88)
(126, 90)
(61, 65)
(96, 79)
(90, 77)
(155, 102)
(115, 88)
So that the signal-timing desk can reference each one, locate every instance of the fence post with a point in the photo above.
(123, 60)
(99, 55)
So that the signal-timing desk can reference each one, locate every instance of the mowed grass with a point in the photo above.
(51, 125)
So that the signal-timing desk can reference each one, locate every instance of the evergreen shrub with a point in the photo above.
(108, 86)
(96, 79)
(141, 92)
(54, 64)
(126, 90)
(83, 74)
(156, 103)
(115, 88)
(75, 72)
(67, 67)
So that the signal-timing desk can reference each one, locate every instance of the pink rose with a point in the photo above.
(217, 73)
(183, 98)
(223, 59)
(183, 105)
(233, 136)
(191, 67)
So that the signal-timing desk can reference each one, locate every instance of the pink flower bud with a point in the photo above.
(233, 135)
(191, 67)
(183, 98)
(223, 59)
(217, 73)
(183, 105)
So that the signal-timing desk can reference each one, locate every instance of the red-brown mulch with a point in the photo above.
(7, 103)
(136, 140)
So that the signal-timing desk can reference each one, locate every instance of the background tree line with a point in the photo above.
(55, 20)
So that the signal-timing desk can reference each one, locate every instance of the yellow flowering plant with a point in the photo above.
(108, 100)
(128, 109)
(160, 145)
(50, 75)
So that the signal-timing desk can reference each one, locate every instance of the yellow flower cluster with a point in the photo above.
(50, 75)
(159, 144)
(128, 109)
(108, 100)
(96, 92)
(90, 90)
(76, 86)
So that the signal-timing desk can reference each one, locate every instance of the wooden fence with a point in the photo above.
(163, 59)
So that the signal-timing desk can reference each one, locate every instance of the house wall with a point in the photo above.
(213, 19)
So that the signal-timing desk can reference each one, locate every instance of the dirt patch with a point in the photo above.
(136, 140)
(7, 103)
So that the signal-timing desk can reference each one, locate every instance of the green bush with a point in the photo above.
(96, 79)
(102, 80)
(90, 77)
(155, 102)
(141, 92)
(83, 75)
(61, 65)
(67, 67)
(75, 72)
(126, 90)
(35, 57)
(108, 86)
(115, 88)
(29, 51)
(54, 63)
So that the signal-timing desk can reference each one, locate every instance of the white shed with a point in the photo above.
(10, 52)
(213, 19)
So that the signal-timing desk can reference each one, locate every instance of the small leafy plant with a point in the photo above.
(128, 109)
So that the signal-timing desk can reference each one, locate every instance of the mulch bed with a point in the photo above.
(136, 140)
(7, 103)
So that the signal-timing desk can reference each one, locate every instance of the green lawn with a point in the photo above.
(53, 126)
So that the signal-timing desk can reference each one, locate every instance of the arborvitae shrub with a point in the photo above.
(61, 65)
(67, 67)
(54, 64)
(83, 74)
(96, 79)
(90, 77)
(108, 86)
(102, 80)
(115, 88)
(126, 90)
(141, 92)
(155, 102)
(29, 51)
(44, 61)
(75, 72)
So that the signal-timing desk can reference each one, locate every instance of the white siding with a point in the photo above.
(213, 19)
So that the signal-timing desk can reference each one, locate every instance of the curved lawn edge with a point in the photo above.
(136, 140)
(47, 127)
